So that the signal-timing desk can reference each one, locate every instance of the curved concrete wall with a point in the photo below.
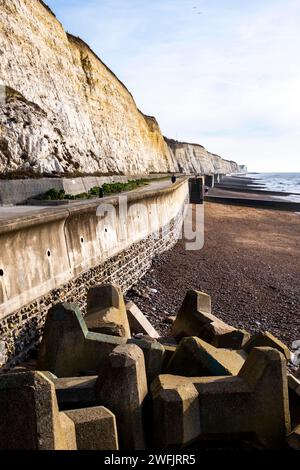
(57, 249)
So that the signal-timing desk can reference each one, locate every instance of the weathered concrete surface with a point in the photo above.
(169, 354)
(189, 320)
(235, 339)
(254, 403)
(194, 357)
(122, 387)
(294, 384)
(268, 340)
(197, 190)
(106, 311)
(68, 349)
(294, 400)
(95, 428)
(176, 412)
(52, 246)
(194, 318)
(29, 415)
(138, 322)
(293, 438)
(76, 392)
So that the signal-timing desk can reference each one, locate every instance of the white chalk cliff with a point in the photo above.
(63, 110)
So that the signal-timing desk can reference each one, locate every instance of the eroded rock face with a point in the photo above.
(193, 158)
(66, 111)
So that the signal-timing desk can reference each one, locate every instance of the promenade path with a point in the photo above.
(8, 213)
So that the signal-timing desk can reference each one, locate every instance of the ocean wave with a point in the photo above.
(281, 182)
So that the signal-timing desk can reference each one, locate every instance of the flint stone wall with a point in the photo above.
(84, 260)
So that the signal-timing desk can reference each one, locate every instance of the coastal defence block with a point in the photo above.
(194, 318)
(194, 358)
(122, 387)
(28, 402)
(69, 349)
(95, 428)
(76, 392)
(266, 339)
(106, 311)
(138, 322)
(193, 314)
(254, 403)
(235, 339)
(293, 438)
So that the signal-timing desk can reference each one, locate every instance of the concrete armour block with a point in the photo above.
(294, 399)
(294, 384)
(138, 322)
(69, 349)
(254, 403)
(266, 339)
(293, 438)
(235, 339)
(195, 319)
(95, 428)
(106, 311)
(122, 387)
(154, 354)
(29, 415)
(189, 320)
(172, 399)
(76, 392)
(194, 357)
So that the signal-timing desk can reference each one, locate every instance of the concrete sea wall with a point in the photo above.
(57, 254)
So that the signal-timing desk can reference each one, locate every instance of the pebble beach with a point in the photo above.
(250, 265)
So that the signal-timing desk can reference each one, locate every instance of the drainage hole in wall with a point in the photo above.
(48, 253)
(1, 273)
(106, 230)
(82, 239)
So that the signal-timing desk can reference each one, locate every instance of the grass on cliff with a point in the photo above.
(108, 189)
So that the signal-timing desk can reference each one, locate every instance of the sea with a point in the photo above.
(282, 182)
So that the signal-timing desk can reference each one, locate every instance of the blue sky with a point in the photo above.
(224, 73)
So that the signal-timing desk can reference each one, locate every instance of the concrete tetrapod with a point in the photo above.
(106, 311)
(29, 415)
(293, 438)
(95, 428)
(194, 318)
(254, 403)
(266, 339)
(194, 357)
(69, 349)
(122, 387)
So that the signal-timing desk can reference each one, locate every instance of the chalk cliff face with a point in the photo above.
(193, 158)
(64, 110)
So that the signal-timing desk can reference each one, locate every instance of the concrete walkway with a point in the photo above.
(16, 212)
